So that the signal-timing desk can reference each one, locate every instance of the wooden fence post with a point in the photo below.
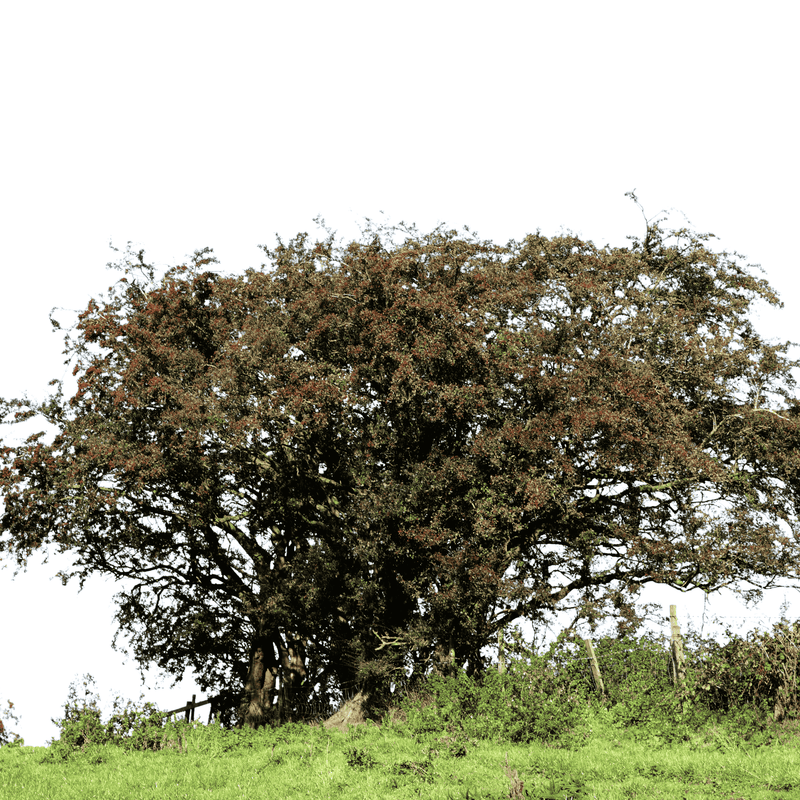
(189, 705)
(677, 663)
(598, 680)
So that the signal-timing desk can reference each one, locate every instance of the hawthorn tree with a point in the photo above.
(368, 459)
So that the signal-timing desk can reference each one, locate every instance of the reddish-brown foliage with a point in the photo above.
(361, 456)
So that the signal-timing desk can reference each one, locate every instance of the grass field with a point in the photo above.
(404, 758)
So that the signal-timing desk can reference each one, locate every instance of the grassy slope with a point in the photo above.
(391, 762)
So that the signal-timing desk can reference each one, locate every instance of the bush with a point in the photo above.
(524, 704)
(639, 691)
(736, 690)
(82, 730)
(552, 697)
(745, 686)
(760, 671)
(83, 734)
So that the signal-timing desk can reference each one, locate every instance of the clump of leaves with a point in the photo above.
(422, 769)
(456, 745)
(532, 701)
(5, 734)
(746, 686)
(570, 787)
(638, 690)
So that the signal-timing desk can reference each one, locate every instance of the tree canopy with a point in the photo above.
(360, 460)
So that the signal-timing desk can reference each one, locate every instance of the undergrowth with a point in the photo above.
(744, 692)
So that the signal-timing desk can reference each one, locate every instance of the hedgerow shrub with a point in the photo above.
(740, 687)
(523, 704)
(552, 697)
(760, 671)
(83, 732)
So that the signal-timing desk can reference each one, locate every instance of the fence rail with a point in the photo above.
(191, 705)
(312, 708)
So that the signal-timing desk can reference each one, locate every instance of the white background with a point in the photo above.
(182, 125)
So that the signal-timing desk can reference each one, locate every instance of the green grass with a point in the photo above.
(395, 760)
(530, 732)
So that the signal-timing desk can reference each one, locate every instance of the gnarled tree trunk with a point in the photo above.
(272, 657)
(255, 708)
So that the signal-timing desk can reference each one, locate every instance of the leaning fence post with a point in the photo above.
(677, 658)
(598, 680)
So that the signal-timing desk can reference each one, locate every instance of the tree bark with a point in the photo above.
(293, 673)
(255, 708)
(445, 664)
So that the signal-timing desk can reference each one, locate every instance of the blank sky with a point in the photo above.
(179, 126)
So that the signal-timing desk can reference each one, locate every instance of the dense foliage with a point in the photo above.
(357, 461)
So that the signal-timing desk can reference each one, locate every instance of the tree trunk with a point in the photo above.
(293, 673)
(255, 708)
(445, 663)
